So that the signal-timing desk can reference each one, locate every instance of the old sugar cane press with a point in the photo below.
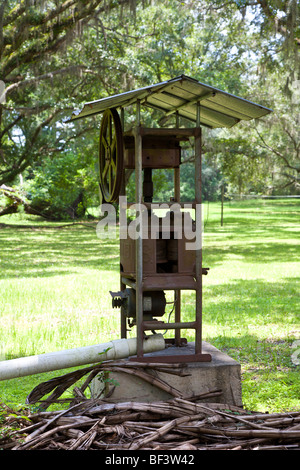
(159, 257)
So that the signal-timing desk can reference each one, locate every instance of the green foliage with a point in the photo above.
(63, 186)
(56, 58)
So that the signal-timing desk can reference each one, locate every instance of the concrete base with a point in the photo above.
(222, 373)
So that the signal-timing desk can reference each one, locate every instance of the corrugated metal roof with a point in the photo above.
(181, 94)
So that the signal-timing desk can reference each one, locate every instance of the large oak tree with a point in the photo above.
(42, 69)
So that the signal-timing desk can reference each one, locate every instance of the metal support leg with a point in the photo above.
(139, 240)
(122, 285)
(177, 293)
(198, 200)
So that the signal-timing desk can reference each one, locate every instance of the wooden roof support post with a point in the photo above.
(198, 200)
(122, 285)
(177, 292)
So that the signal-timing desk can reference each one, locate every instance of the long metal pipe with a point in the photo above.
(116, 349)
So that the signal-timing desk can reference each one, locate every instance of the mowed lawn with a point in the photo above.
(55, 281)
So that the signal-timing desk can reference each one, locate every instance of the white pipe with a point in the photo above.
(116, 349)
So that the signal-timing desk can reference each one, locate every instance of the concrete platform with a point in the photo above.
(222, 373)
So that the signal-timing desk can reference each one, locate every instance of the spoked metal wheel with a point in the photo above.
(111, 155)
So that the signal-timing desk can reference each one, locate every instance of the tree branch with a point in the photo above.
(48, 26)
(23, 161)
(10, 126)
(279, 23)
(17, 11)
(274, 150)
(45, 76)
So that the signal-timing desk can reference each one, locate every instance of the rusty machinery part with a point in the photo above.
(154, 303)
(111, 155)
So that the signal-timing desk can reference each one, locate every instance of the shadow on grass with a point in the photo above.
(255, 241)
(256, 353)
(270, 378)
(251, 252)
(246, 226)
(242, 304)
(251, 300)
(27, 252)
(45, 250)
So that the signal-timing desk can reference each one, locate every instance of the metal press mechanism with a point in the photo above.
(163, 256)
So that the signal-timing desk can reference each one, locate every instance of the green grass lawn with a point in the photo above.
(55, 282)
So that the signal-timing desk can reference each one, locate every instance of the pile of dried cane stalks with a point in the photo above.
(176, 424)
